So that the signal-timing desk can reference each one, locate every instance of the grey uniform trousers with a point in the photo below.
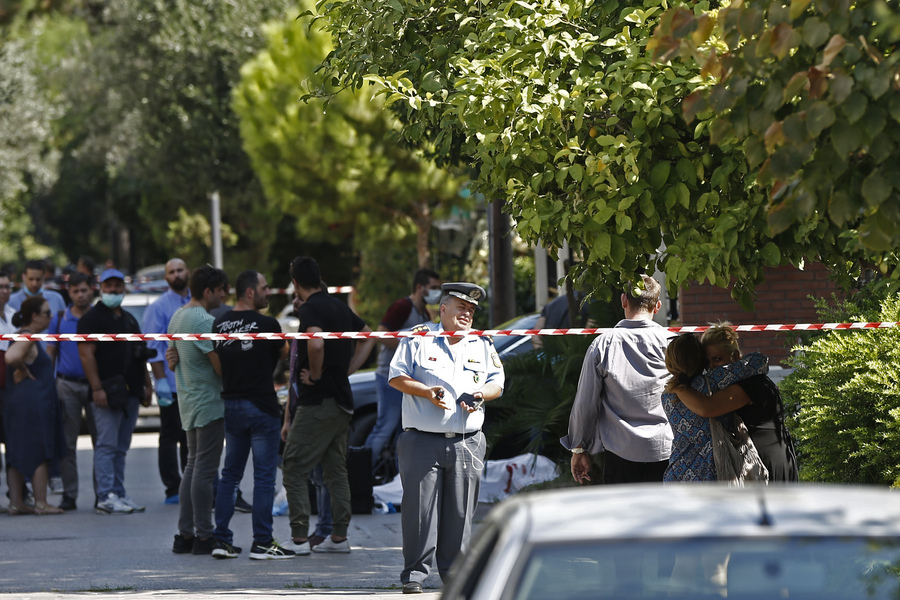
(441, 477)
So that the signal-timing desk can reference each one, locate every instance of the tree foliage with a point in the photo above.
(337, 168)
(148, 127)
(809, 90)
(576, 129)
(27, 164)
(174, 93)
(845, 398)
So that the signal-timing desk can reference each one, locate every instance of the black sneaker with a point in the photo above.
(242, 505)
(68, 503)
(204, 546)
(224, 550)
(271, 551)
(182, 545)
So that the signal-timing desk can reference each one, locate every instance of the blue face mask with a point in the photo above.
(29, 294)
(432, 296)
(112, 300)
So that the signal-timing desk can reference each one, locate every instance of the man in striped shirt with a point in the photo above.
(198, 377)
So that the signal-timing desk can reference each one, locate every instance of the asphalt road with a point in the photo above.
(130, 556)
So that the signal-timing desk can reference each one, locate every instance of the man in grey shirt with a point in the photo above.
(618, 409)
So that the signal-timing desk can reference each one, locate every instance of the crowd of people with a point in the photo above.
(219, 396)
(658, 407)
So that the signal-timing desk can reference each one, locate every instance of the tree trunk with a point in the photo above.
(423, 220)
(502, 296)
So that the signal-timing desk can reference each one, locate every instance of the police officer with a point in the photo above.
(444, 381)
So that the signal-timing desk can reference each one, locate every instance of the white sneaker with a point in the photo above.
(135, 507)
(112, 505)
(56, 486)
(329, 546)
(299, 549)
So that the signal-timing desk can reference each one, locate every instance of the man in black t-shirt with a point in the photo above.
(324, 407)
(252, 417)
(107, 364)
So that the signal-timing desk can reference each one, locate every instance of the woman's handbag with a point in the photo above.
(116, 392)
(735, 455)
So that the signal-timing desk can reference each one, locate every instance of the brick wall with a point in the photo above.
(782, 298)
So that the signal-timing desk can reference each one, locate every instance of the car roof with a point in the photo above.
(700, 510)
(140, 299)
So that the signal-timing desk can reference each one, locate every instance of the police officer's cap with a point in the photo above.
(464, 291)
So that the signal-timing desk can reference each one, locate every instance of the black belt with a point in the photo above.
(72, 379)
(446, 434)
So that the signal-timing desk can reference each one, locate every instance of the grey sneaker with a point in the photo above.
(56, 486)
(112, 505)
(135, 507)
(329, 546)
(301, 549)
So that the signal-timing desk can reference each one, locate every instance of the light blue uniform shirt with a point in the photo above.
(54, 299)
(156, 320)
(465, 368)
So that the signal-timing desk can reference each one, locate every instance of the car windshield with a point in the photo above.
(839, 568)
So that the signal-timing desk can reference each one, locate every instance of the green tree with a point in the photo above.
(27, 164)
(337, 168)
(808, 90)
(844, 396)
(148, 127)
(569, 121)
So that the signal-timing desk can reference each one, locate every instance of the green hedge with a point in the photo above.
(844, 399)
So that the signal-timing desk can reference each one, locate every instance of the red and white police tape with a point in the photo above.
(340, 289)
(358, 335)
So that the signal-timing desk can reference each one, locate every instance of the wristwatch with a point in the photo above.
(577, 450)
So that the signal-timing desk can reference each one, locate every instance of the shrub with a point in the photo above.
(533, 412)
(843, 399)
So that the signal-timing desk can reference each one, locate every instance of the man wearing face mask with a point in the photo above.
(403, 314)
(119, 381)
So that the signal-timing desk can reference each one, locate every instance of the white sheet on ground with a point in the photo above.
(501, 478)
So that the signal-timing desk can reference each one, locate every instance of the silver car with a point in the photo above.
(686, 541)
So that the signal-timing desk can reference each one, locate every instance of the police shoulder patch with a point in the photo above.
(496, 359)
(419, 328)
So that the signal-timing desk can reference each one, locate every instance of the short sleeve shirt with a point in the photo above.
(69, 361)
(464, 367)
(248, 365)
(328, 314)
(156, 320)
(199, 387)
(115, 358)
(400, 315)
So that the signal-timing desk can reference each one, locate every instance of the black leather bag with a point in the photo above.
(116, 392)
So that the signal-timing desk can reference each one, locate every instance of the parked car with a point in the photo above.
(150, 279)
(686, 541)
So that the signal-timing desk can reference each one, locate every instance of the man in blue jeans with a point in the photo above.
(106, 365)
(252, 417)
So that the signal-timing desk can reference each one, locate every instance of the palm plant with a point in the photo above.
(534, 410)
